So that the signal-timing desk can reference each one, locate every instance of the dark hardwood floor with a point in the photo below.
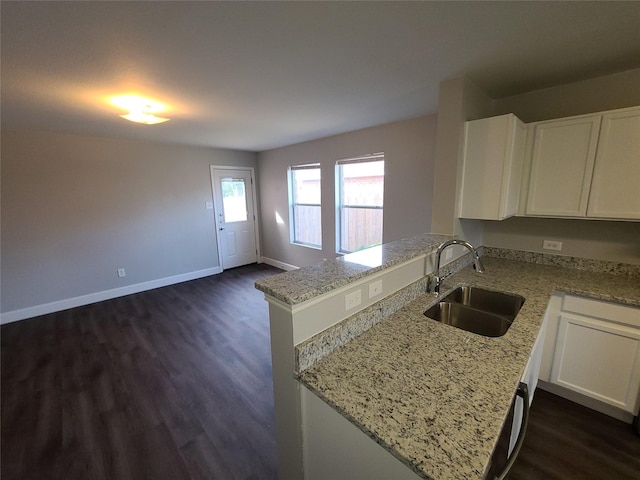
(566, 441)
(173, 383)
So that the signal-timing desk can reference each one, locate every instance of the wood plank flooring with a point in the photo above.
(173, 383)
(566, 441)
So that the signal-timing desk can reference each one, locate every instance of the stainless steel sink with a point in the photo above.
(469, 319)
(484, 312)
(500, 303)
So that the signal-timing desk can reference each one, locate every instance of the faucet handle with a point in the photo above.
(428, 283)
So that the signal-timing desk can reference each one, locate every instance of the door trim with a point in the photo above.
(251, 170)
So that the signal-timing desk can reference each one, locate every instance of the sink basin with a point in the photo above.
(484, 312)
(499, 303)
(469, 319)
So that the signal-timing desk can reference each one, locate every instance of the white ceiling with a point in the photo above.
(258, 75)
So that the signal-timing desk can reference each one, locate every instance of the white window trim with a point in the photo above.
(292, 203)
(373, 157)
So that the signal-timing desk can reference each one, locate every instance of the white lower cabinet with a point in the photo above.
(596, 351)
(336, 449)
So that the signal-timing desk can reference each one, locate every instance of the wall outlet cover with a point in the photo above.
(352, 300)
(552, 245)
(375, 288)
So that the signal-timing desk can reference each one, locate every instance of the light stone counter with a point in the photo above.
(298, 286)
(435, 396)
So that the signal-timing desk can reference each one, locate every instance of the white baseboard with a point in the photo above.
(278, 264)
(67, 303)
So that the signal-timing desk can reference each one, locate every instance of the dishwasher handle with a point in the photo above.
(523, 392)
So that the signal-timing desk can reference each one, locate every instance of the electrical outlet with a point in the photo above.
(375, 288)
(552, 245)
(122, 272)
(208, 205)
(448, 253)
(352, 300)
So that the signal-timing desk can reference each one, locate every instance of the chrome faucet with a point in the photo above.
(437, 279)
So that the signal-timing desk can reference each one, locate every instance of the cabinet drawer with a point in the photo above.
(614, 312)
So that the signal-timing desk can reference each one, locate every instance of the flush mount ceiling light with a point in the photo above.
(144, 117)
(141, 110)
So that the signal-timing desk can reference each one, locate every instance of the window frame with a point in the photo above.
(340, 205)
(293, 203)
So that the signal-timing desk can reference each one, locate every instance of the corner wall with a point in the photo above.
(77, 208)
(459, 100)
(409, 158)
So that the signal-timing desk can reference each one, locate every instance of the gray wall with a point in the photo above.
(615, 241)
(76, 208)
(459, 100)
(619, 90)
(409, 158)
(597, 239)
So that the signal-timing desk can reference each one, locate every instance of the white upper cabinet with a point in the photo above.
(492, 169)
(615, 188)
(586, 166)
(564, 152)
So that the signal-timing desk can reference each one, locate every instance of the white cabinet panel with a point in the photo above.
(598, 358)
(561, 167)
(336, 449)
(615, 188)
(492, 170)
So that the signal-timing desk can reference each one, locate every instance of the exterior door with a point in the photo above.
(234, 216)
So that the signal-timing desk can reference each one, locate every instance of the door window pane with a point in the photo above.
(234, 200)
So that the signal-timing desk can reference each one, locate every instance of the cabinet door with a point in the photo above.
(562, 165)
(492, 169)
(599, 359)
(615, 189)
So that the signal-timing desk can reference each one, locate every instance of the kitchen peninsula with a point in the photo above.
(434, 397)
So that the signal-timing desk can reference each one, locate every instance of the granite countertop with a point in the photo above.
(300, 285)
(434, 396)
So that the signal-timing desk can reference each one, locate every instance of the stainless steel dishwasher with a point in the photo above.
(504, 456)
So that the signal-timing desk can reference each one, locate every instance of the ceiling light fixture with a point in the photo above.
(141, 110)
(144, 117)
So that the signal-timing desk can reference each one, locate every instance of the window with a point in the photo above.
(359, 199)
(234, 200)
(304, 200)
